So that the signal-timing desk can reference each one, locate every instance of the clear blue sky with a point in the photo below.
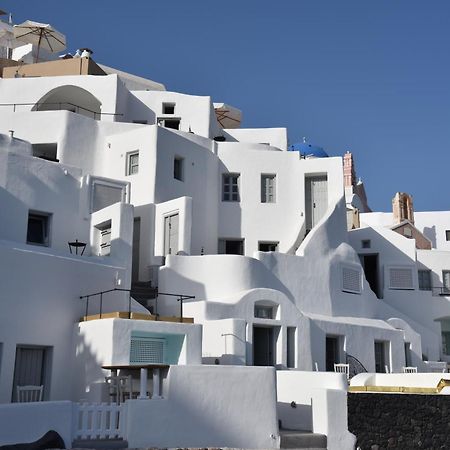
(371, 77)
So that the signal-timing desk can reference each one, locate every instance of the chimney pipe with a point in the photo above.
(11, 133)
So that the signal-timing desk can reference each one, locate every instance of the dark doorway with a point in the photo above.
(370, 265)
(331, 352)
(263, 346)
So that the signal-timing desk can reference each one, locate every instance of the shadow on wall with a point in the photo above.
(88, 377)
(430, 233)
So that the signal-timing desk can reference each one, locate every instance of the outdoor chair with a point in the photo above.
(343, 368)
(27, 394)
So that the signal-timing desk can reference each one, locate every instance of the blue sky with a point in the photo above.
(371, 77)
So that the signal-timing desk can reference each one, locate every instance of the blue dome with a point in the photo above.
(308, 150)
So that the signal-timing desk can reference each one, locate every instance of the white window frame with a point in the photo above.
(268, 188)
(356, 268)
(227, 181)
(125, 187)
(401, 288)
(130, 164)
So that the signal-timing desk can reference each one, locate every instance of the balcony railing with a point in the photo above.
(60, 106)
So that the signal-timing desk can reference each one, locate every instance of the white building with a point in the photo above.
(155, 192)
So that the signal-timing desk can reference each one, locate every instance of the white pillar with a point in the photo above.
(156, 384)
(143, 385)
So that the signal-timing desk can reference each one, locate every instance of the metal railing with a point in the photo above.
(61, 106)
(180, 298)
(440, 291)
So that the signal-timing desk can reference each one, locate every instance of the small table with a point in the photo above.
(143, 368)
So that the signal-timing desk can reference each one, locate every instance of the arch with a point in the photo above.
(70, 98)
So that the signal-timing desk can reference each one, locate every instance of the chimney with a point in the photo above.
(349, 170)
(11, 134)
(402, 208)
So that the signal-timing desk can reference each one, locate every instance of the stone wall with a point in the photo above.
(406, 421)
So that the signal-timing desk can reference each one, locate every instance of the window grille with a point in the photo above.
(400, 278)
(147, 350)
(351, 280)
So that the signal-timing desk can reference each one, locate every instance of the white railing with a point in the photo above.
(99, 420)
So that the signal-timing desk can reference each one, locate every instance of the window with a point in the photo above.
(38, 231)
(267, 246)
(447, 235)
(424, 280)
(365, 243)
(178, 166)
(32, 367)
(268, 188)
(400, 278)
(106, 192)
(231, 246)
(264, 312)
(351, 279)
(45, 151)
(446, 281)
(169, 123)
(147, 350)
(230, 187)
(168, 108)
(132, 163)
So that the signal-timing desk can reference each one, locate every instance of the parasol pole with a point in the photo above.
(39, 44)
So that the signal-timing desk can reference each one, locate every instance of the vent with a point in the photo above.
(351, 280)
(147, 351)
(400, 278)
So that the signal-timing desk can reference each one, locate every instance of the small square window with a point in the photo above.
(230, 187)
(268, 246)
(268, 188)
(447, 235)
(365, 243)
(132, 163)
(178, 166)
(38, 230)
(168, 108)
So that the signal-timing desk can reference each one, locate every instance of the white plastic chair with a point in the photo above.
(409, 369)
(343, 368)
(27, 394)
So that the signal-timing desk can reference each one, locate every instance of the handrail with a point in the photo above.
(60, 104)
(181, 298)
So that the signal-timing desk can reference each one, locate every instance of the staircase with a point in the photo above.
(143, 292)
(302, 440)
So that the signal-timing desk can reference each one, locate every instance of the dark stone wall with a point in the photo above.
(406, 421)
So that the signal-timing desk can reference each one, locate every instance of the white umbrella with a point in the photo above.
(42, 35)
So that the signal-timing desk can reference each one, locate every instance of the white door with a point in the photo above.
(316, 199)
(171, 234)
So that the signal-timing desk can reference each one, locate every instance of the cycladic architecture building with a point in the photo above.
(146, 227)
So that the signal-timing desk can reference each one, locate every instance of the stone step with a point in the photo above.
(100, 444)
(306, 440)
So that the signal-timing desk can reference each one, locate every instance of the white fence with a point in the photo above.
(99, 420)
